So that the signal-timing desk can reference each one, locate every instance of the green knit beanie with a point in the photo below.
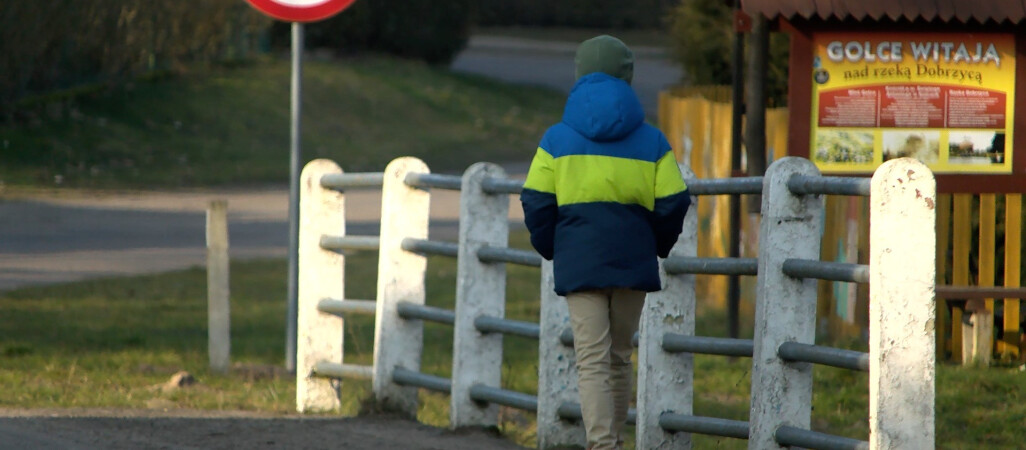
(605, 54)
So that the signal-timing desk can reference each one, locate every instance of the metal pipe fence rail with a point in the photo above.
(666, 340)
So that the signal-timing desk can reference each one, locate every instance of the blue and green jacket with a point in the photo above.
(604, 195)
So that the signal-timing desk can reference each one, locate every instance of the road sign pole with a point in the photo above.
(297, 12)
(295, 166)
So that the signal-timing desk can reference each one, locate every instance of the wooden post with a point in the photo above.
(961, 241)
(1013, 260)
(218, 309)
(983, 318)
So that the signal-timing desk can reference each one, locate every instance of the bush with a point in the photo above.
(703, 36)
(55, 44)
(432, 31)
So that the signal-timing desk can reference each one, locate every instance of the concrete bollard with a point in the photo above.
(480, 290)
(557, 369)
(321, 275)
(665, 380)
(901, 306)
(399, 342)
(785, 308)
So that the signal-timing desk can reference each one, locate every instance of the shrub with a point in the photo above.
(430, 30)
(55, 44)
(703, 36)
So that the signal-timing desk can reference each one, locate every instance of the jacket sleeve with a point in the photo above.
(671, 204)
(538, 199)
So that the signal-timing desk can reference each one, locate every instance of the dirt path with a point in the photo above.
(150, 429)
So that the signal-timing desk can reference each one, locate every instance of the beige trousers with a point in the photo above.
(604, 322)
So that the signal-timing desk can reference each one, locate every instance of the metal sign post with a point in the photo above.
(297, 12)
(295, 165)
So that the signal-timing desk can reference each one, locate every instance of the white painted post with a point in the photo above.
(902, 341)
(480, 290)
(785, 307)
(557, 369)
(321, 275)
(218, 308)
(399, 342)
(665, 380)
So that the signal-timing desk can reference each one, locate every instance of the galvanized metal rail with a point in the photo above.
(428, 247)
(504, 397)
(502, 186)
(357, 180)
(819, 185)
(726, 186)
(509, 255)
(488, 324)
(679, 343)
(350, 242)
(828, 356)
(678, 265)
(825, 270)
(408, 377)
(410, 311)
(797, 437)
(326, 369)
(704, 425)
(343, 308)
(434, 180)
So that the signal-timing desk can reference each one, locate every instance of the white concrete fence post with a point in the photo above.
(480, 290)
(557, 369)
(321, 275)
(665, 380)
(399, 342)
(901, 306)
(785, 307)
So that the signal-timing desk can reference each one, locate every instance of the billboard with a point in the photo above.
(946, 99)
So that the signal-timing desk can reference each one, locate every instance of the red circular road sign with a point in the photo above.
(301, 10)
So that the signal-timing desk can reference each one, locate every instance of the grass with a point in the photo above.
(109, 342)
(217, 126)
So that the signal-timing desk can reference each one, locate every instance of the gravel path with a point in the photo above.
(182, 430)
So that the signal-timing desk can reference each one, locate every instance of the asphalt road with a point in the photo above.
(551, 64)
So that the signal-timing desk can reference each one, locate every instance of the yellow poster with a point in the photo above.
(946, 99)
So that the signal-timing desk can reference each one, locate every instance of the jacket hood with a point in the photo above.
(603, 108)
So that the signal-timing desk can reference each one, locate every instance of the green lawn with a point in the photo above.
(220, 126)
(107, 343)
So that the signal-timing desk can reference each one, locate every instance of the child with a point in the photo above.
(603, 198)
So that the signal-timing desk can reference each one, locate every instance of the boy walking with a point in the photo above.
(603, 198)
